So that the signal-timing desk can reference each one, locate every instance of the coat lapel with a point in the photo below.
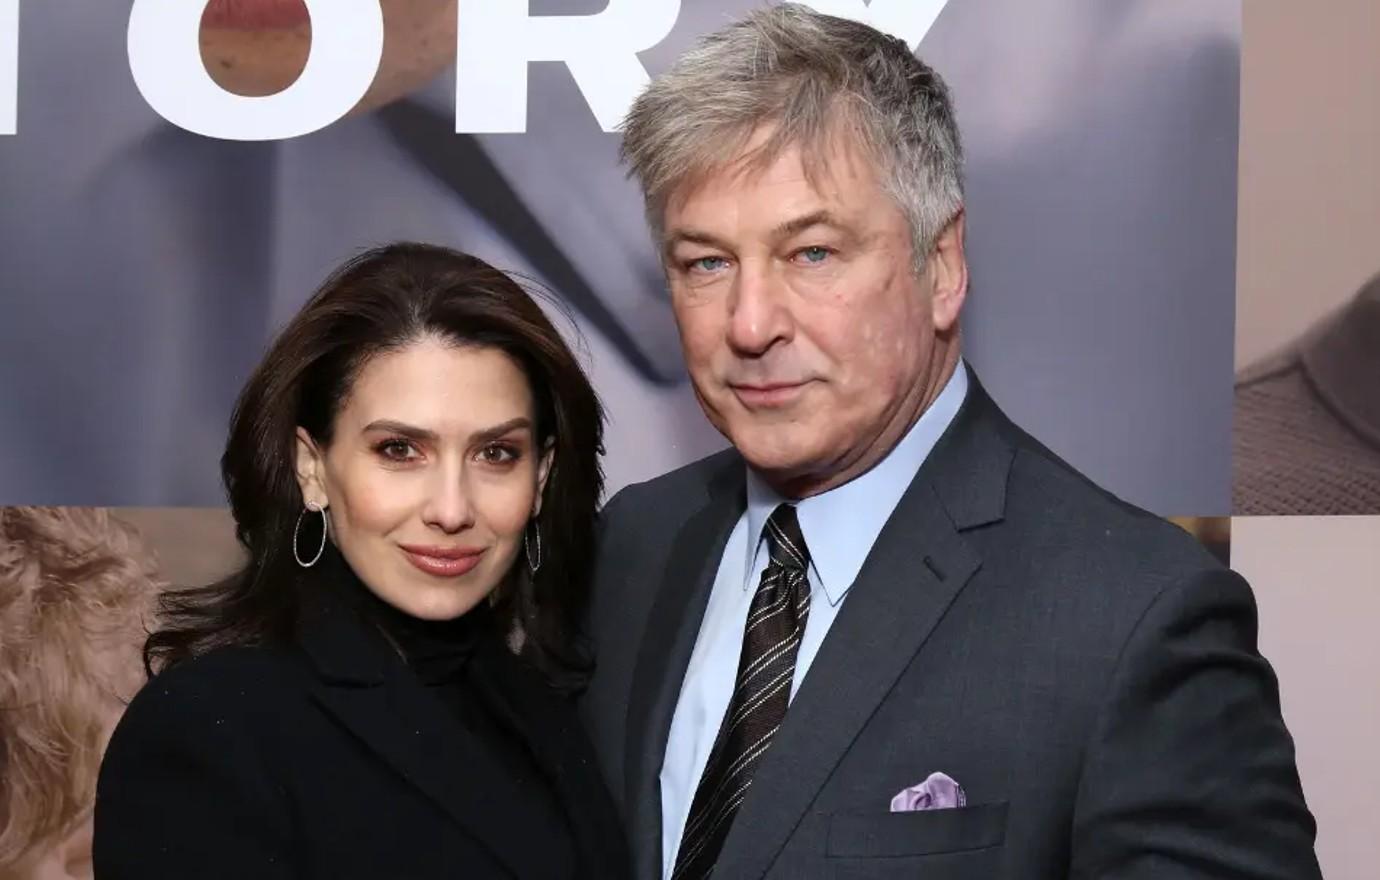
(553, 735)
(373, 694)
(672, 628)
(917, 567)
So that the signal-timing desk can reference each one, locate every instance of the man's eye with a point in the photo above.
(706, 264)
(813, 254)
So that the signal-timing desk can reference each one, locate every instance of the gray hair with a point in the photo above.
(810, 76)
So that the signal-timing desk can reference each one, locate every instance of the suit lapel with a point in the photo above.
(376, 697)
(672, 628)
(917, 567)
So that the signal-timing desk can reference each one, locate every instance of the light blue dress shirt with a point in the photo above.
(840, 527)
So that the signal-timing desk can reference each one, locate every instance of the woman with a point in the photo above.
(413, 470)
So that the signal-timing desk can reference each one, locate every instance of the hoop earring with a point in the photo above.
(325, 527)
(533, 565)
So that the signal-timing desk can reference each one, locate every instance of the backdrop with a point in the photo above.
(146, 266)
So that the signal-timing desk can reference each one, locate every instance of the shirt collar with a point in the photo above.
(841, 525)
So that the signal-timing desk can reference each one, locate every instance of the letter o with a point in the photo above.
(165, 57)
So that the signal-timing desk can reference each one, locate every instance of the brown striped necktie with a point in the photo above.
(775, 624)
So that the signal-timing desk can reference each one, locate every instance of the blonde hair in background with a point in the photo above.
(77, 588)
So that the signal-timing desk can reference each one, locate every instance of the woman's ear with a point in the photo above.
(548, 457)
(311, 471)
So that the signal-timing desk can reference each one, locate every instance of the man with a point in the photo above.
(1306, 432)
(889, 634)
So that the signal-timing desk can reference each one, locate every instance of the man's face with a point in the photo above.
(258, 47)
(812, 343)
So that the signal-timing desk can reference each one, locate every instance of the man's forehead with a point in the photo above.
(821, 168)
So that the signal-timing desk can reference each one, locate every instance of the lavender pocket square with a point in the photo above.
(939, 792)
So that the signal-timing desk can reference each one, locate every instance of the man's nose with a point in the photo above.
(759, 311)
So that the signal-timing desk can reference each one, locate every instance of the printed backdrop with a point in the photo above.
(145, 267)
(156, 230)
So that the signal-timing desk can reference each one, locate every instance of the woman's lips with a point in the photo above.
(255, 15)
(443, 562)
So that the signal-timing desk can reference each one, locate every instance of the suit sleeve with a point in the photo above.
(1190, 771)
(183, 792)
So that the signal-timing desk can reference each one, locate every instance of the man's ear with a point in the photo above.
(548, 458)
(311, 471)
(948, 269)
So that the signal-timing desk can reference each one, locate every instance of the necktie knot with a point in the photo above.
(785, 543)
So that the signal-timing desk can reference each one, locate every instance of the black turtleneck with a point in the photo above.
(438, 651)
(454, 660)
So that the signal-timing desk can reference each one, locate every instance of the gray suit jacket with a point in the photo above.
(1087, 672)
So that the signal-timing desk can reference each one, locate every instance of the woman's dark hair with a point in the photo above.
(378, 302)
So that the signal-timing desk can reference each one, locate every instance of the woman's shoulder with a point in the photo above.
(223, 685)
(202, 739)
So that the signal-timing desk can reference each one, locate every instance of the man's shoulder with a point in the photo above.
(1075, 524)
(1064, 528)
(640, 522)
(684, 488)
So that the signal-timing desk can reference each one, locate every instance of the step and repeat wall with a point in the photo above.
(176, 178)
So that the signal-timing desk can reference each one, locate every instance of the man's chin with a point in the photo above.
(774, 461)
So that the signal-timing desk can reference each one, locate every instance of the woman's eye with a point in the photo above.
(397, 450)
(498, 454)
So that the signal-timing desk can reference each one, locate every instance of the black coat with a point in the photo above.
(329, 758)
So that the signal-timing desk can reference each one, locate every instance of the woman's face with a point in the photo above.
(432, 475)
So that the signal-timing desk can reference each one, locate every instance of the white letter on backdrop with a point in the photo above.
(165, 58)
(908, 19)
(9, 66)
(497, 39)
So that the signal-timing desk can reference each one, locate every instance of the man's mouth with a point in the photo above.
(767, 395)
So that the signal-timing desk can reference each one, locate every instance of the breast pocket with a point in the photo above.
(919, 833)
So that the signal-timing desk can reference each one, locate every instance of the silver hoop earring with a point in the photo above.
(533, 565)
(297, 530)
